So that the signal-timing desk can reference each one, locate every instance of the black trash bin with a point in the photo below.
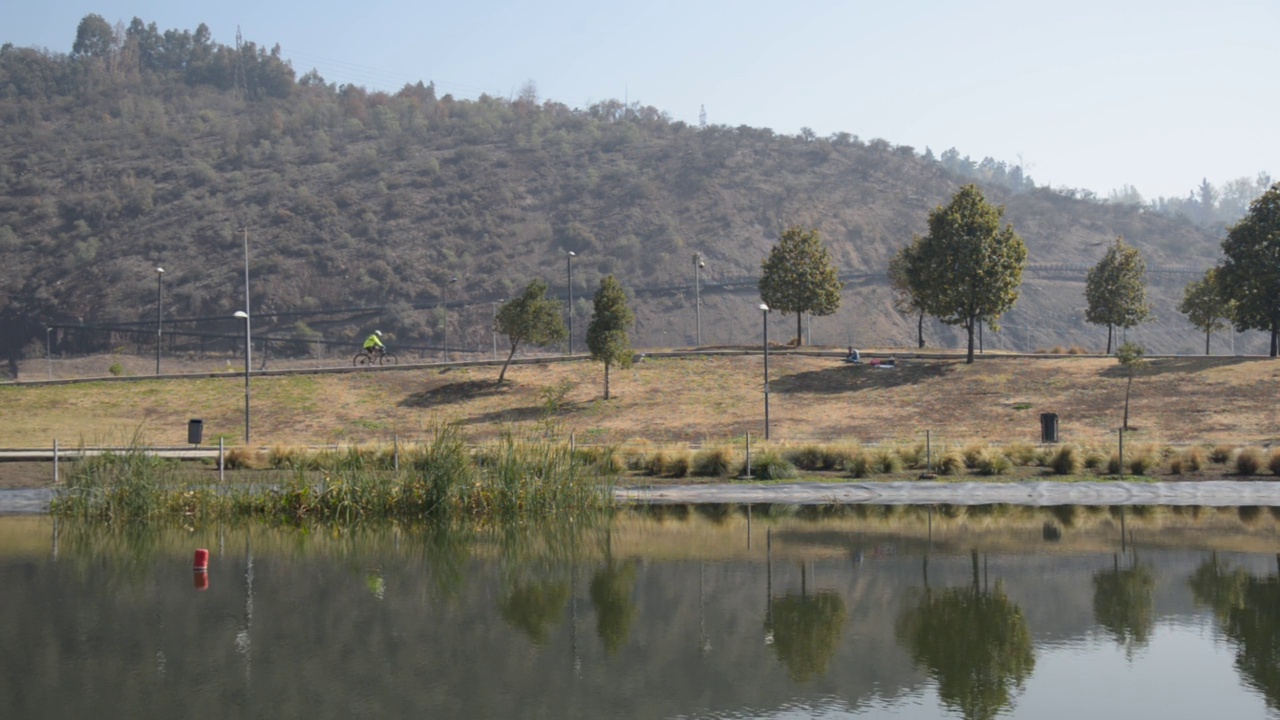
(1048, 427)
(195, 431)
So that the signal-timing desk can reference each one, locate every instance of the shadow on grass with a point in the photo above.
(845, 378)
(456, 392)
(1177, 366)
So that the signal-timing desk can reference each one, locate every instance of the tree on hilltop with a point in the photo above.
(968, 268)
(1116, 290)
(799, 277)
(531, 318)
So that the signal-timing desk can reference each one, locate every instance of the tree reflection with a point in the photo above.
(611, 588)
(1248, 610)
(1123, 603)
(534, 607)
(805, 630)
(974, 642)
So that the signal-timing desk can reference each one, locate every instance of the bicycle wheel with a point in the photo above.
(361, 359)
(388, 359)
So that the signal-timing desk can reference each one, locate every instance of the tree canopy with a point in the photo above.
(907, 297)
(968, 268)
(1206, 305)
(532, 318)
(799, 277)
(1250, 270)
(607, 337)
(1116, 290)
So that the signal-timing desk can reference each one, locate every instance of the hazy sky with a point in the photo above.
(1093, 93)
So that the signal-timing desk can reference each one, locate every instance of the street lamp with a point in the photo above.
(48, 351)
(569, 259)
(698, 264)
(452, 280)
(764, 311)
(159, 315)
(248, 350)
(248, 336)
(495, 327)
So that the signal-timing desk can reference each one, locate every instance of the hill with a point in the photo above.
(358, 209)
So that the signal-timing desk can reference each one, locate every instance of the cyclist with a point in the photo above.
(373, 344)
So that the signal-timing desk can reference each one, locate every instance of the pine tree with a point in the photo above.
(607, 337)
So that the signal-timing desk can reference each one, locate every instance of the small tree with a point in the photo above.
(907, 297)
(1115, 290)
(1130, 356)
(968, 268)
(607, 337)
(798, 277)
(531, 318)
(1204, 305)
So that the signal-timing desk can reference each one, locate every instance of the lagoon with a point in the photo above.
(665, 612)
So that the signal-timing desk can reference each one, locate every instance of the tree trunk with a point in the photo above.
(1274, 331)
(970, 327)
(920, 331)
(1108, 338)
(606, 381)
(799, 328)
(1206, 342)
(510, 355)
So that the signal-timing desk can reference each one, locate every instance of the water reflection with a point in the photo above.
(871, 611)
(974, 642)
(1247, 608)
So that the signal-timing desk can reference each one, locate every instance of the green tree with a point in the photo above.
(531, 318)
(1115, 290)
(907, 288)
(968, 266)
(1130, 356)
(1205, 305)
(1250, 271)
(94, 37)
(607, 337)
(798, 277)
(806, 631)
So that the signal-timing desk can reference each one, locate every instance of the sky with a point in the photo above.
(1094, 94)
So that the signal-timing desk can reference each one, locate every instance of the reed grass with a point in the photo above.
(442, 479)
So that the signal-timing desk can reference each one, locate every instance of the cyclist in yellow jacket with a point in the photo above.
(373, 343)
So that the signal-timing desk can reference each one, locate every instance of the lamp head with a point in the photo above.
(572, 254)
(160, 270)
(242, 315)
(764, 307)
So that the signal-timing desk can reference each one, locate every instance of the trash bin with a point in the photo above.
(195, 431)
(1048, 427)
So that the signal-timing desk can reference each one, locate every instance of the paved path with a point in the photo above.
(1215, 493)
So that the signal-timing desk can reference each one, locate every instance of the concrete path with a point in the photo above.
(1214, 493)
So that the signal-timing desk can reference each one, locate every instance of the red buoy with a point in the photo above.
(202, 560)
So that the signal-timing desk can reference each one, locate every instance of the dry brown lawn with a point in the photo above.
(682, 399)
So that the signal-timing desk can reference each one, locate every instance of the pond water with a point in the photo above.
(904, 612)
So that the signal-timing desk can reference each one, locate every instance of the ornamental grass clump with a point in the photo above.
(951, 462)
(1248, 461)
(712, 462)
(806, 457)
(1066, 460)
(1191, 460)
(994, 462)
(1273, 462)
(1221, 453)
(771, 465)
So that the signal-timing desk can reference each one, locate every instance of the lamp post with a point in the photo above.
(452, 280)
(764, 311)
(248, 350)
(569, 259)
(48, 351)
(495, 327)
(698, 264)
(159, 314)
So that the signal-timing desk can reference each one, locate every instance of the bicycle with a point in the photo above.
(376, 356)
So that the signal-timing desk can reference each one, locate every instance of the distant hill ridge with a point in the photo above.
(155, 149)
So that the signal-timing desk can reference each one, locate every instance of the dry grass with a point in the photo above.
(678, 400)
